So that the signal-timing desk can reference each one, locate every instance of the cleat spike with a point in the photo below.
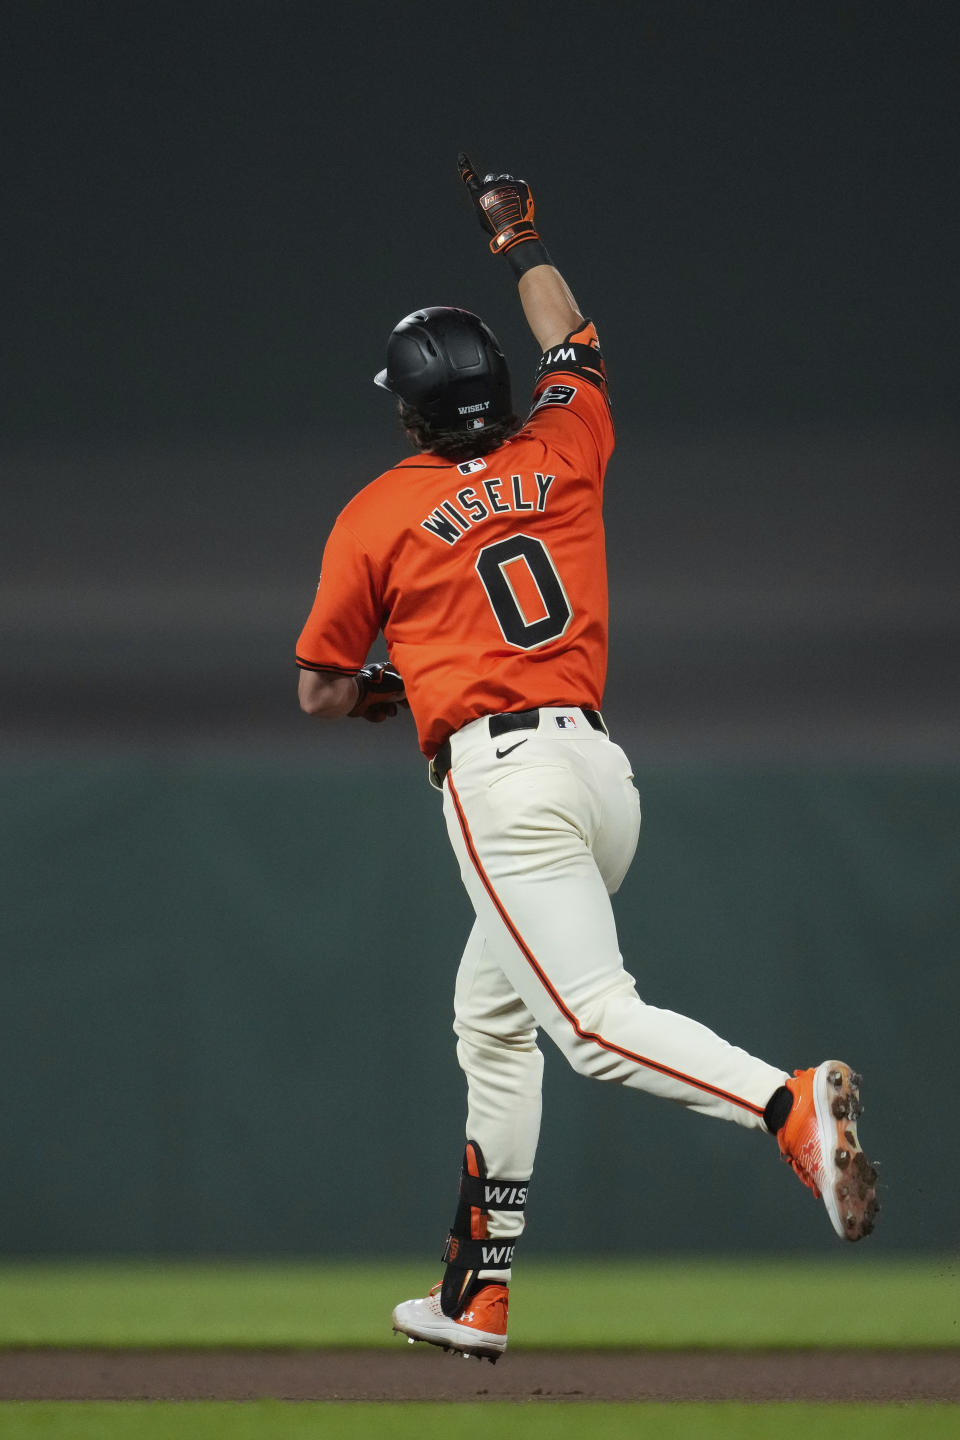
(819, 1139)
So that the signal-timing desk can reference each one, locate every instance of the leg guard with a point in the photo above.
(469, 1253)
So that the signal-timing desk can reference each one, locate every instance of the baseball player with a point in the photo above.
(481, 557)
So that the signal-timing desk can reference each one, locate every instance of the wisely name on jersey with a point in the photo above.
(494, 495)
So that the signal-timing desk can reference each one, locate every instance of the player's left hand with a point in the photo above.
(380, 694)
(504, 206)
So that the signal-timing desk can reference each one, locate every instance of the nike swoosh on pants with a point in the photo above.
(502, 753)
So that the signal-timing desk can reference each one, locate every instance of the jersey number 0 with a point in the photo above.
(524, 590)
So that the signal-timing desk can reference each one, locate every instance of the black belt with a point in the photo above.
(501, 724)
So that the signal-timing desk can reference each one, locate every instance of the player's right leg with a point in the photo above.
(525, 832)
(538, 855)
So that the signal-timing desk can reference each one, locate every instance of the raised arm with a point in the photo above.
(504, 206)
(548, 305)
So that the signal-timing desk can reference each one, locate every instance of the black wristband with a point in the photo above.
(528, 253)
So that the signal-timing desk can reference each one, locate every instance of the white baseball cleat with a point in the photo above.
(480, 1329)
(820, 1141)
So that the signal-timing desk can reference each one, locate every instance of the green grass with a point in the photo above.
(275, 1420)
(658, 1303)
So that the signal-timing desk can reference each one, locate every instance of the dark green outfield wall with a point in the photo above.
(226, 1006)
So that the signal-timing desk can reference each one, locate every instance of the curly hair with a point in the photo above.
(457, 444)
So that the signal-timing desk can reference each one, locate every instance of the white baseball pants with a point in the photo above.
(544, 835)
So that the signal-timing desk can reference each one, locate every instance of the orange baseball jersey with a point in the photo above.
(487, 577)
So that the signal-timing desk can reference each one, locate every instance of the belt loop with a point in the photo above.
(439, 767)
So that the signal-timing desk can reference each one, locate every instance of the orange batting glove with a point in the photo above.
(504, 207)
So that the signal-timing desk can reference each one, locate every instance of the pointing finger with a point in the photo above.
(467, 173)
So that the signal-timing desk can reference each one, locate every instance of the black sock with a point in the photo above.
(778, 1108)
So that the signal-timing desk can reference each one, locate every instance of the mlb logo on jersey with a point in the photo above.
(470, 467)
(566, 722)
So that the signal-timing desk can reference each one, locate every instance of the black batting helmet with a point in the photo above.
(448, 366)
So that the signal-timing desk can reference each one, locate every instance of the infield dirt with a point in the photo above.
(424, 1373)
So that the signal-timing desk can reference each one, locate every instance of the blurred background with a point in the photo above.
(229, 935)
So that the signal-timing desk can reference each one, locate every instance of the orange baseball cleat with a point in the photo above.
(819, 1139)
(480, 1329)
